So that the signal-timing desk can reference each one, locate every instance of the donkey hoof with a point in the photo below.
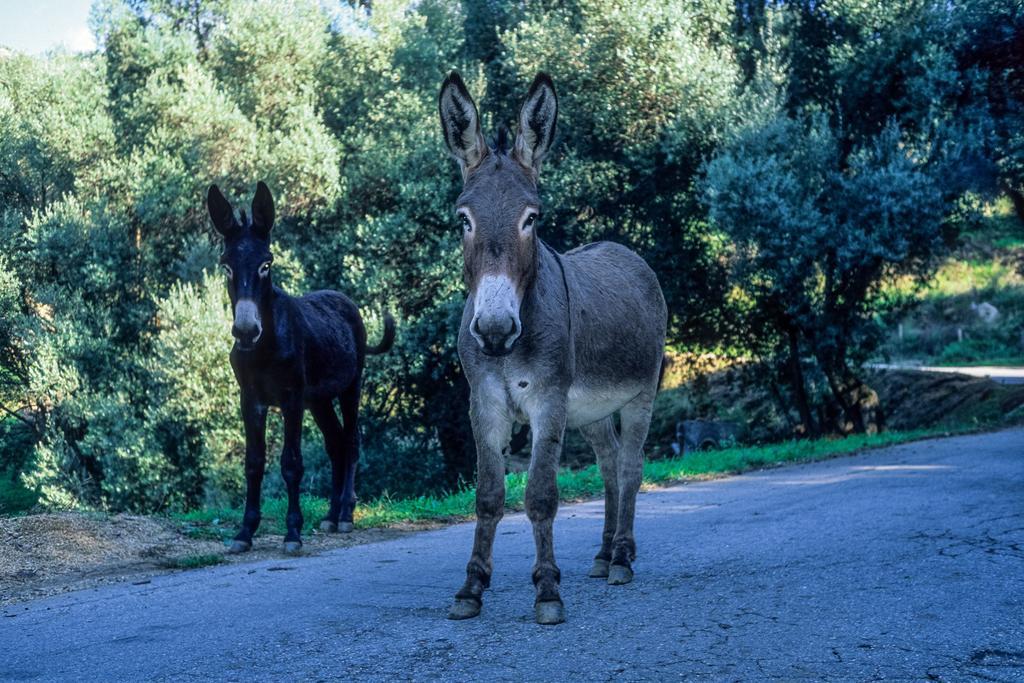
(549, 612)
(329, 527)
(619, 575)
(345, 527)
(236, 547)
(599, 570)
(464, 608)
(292, 547)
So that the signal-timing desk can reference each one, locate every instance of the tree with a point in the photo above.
(645, 91)
(811, 252)
(731, 143)
(989, 50)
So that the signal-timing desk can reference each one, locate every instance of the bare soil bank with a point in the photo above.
(48, 554)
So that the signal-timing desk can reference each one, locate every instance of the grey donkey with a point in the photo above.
(548, 340)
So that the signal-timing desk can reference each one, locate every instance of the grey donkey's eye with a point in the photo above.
(227, 270)
(530, 220)
(467, 224)
(264, 268)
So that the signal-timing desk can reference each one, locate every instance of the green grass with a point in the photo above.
(221, 523)
(985, 267)
(989, 279)
(995, 280)
(983, 351)
(192, 561)
(999, 229)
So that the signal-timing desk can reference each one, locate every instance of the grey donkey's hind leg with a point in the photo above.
(603, 438)
(635, 417)
(492, 430)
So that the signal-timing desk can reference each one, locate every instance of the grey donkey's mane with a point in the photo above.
(565, 283)
(501, 143)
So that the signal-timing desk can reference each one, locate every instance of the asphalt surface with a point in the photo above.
(997, 373)
(1002, 374)
(898, 564)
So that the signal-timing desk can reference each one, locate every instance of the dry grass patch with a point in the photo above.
(48, 554)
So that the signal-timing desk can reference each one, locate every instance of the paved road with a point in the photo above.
(903, 564)
(1003, 374)
(997, 373)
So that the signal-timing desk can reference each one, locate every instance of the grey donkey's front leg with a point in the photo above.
(635, 420)
(542, 505)
(492, 431)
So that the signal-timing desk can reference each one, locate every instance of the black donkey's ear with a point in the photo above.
(221, 213)
(262, 210)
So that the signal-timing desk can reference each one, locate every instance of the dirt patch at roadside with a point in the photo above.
(47, 554)
(910, 399)
(913, 399)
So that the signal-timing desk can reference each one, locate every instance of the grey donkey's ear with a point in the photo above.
(221, 213)
(460, 122)
(537, 120)
(262, 210)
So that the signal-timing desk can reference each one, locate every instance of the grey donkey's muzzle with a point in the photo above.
(247, 327)
(496, 325)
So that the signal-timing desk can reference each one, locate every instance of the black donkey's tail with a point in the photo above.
(389, 337)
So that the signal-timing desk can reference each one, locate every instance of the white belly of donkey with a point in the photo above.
(590, 404)
(586, 404)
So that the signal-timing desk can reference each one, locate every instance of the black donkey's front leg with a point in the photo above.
(254, 417)
(291, 471)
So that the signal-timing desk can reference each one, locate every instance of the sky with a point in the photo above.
(35, 26)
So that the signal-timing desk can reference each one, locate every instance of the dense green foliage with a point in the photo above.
(859, 167)
(774, 162)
